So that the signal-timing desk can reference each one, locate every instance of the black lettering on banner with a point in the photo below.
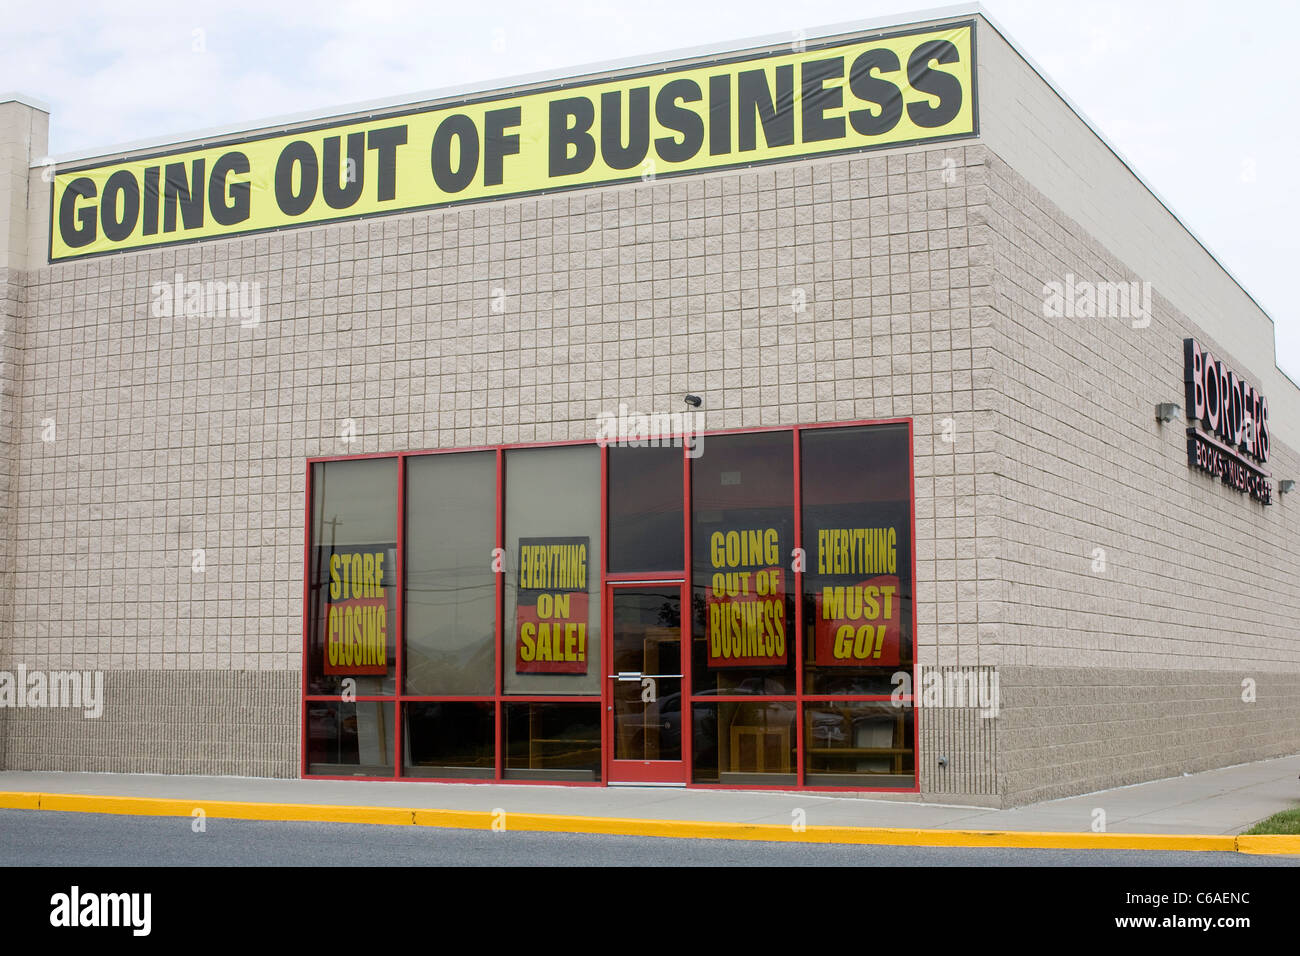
(497, 144)
(869, 88)
(238, 208)
(188, 194)
(77, 226)
(121, 183)
(776, 116)
(300, 154)
(385, 142)
(339, 191)
(460, 128)
(816, 98)
(681, 120)
(935, 82)
(612, 150)
(149, 218)
(563, 134)
(719, 115)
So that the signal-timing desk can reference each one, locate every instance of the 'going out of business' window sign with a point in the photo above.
(1232, 440)
(796, 101)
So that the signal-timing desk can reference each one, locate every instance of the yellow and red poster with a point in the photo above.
(551, 611)
(858, 623)
(356, 614)
(746, 599)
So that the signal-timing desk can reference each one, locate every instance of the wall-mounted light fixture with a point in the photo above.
(1286, 486)
(693, 400)
(1167, 411)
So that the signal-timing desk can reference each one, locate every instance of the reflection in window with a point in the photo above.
(552, 741)
(352, 580)
(552, 565)
(743, 743)
(449, 739)
(645, 509)
(450, 621)
(858, 745)
(857, 601)
(742, 532)
(353, 739)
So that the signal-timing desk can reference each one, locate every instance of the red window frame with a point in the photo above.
(799, 699)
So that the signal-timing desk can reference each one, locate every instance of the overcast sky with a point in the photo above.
(1199, 97)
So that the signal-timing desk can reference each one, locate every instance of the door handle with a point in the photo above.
(637, 675)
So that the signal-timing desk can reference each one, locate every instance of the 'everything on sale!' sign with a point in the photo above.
(551, 612)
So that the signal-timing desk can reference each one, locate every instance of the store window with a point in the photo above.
(450, 610)
(552, 571)
(645, 510)
(857, 589)
(742, 532)
(351, 591)
(469, 646)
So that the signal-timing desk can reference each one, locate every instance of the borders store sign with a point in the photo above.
(798, 101)
(1232, 440)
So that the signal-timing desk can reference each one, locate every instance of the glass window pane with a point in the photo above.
(857, 522)
(645, 509)
(859, 745)
(450, 588)
(449, 739)
(552, 562)
(352, 577)
(552, 741)
(743, 744)
(742, 533)
(350, 738)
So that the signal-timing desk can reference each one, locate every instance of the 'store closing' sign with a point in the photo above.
(791, 102)
(551, 612)
(356, 614)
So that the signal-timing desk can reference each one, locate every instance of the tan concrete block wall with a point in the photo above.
(241, 723)
(1196, 575)
(180, 434)
(1070, 730)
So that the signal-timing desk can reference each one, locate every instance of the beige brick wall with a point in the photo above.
(177, 434)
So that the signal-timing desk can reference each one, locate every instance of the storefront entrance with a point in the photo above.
(644, 713)
(594, 614)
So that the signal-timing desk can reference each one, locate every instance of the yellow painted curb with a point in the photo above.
(679, 829)
(1268, 843)
(20, 801)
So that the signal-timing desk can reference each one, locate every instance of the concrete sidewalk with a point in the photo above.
(1224, 802)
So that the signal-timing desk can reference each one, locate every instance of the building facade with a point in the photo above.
(358, 445)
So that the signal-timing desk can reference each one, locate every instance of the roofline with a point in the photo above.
(26, 99)
(511, 82)
(198, 137)
(1087, 121)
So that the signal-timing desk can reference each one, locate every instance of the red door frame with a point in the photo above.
(665, 772)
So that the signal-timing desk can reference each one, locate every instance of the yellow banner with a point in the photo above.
(796, 102)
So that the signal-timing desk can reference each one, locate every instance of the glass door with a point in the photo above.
(645, 706)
